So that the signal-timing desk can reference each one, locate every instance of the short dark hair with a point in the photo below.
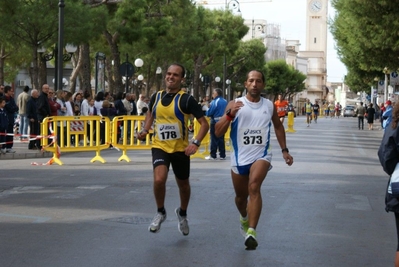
(2, 99)
(26, 88)
(183, 72)
(263, 75)
(7, 88)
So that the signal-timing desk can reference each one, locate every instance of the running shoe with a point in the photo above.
(209, 158)
(244, 224)
(155, 225)
(183, 223)
(250, 240)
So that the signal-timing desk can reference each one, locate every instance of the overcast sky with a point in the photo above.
(291, 16)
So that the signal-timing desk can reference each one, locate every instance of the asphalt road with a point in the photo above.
(325, 210)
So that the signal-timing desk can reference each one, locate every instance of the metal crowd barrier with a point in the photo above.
(123, 135)
(96, 133)
(74, 134)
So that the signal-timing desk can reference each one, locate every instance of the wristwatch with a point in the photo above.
(285, 150)
(196, 142)
(228, 114)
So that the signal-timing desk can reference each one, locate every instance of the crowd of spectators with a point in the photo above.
(32, 107)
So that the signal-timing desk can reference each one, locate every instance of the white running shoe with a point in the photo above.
(155, 225)
(209, 158)
(183, 223)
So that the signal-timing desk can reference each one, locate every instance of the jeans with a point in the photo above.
(360, 121)
(23, 126)
(217, 143)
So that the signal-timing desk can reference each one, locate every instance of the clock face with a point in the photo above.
(315, 5)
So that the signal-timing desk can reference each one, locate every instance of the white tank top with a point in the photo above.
(250, 132)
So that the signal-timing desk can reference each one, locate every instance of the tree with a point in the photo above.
(366, 39)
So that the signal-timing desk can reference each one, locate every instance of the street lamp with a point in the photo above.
(386, 72)
(260, 27)
(235, 4)
(55, 53)
(228, 93)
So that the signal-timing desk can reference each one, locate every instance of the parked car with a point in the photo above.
(349, 111)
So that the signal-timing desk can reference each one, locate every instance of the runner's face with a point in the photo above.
(254, 83)
(173, 78)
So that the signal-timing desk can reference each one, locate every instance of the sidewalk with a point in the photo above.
(22, 152)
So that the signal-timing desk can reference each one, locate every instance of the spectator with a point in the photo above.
(387, 115)
(98, 103)
(215, 112)
(22, 101)
(54, 106)
(141, 103)
(134, 106)
(69, 104)
(128, 105)
(84, 108)
(370, 116)
(34, 124)
(1, 90)
(43, 103)
(62, 111)
(106, 111)
(119, 106)
(11, 108)
(3, 125)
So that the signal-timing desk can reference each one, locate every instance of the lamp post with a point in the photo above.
(228, 93)
(158, 73)
(235, 5)
(386, 72)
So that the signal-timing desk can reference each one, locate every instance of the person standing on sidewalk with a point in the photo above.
(3, 125)
(251, 117)
(281, 106)
(360, 111)
(34, 124)
(215, 112)
(370, 116)
(22, 100)
(171, 109)
(11, 108)
(388, 154)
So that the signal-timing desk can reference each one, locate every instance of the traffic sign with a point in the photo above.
(394, 74)
(126, 69)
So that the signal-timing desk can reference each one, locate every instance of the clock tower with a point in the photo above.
(316, 25)
(316, 50)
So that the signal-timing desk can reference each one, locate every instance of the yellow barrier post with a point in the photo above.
(290, 122)
(204, 144)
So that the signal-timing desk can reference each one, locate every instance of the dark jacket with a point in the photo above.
(120, 108)
(10, 108)
(108, 112)
(43, 106)
(31, 108)
(388, 153)
(3, 120)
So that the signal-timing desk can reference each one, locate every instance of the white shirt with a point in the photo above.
(250, 132)
(84, 109)
(69, 110)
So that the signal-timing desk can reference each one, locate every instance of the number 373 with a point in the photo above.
(250, 140)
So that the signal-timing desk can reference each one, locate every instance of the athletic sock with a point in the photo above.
(183, 213)
(162, 210)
